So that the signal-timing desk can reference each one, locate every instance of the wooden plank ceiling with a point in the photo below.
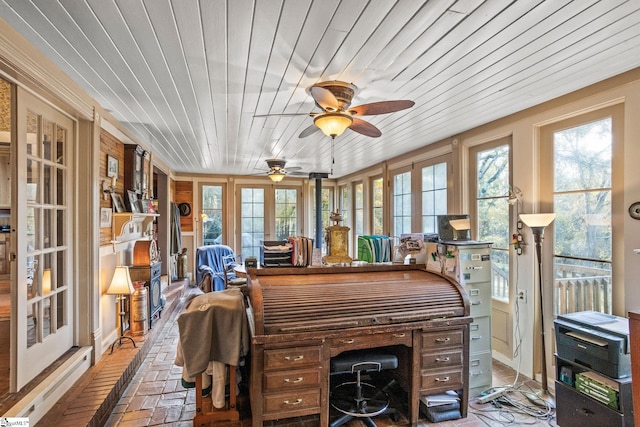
(188, 77)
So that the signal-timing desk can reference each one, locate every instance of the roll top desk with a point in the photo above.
(301, 317)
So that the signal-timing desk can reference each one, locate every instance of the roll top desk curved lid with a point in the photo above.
(296, 300)
(301, 317)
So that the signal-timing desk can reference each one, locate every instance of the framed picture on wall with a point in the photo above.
(105, 217)
(118, 202)
(112, 167)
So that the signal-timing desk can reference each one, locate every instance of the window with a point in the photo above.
(212, 218)
(345, 205)
(434, 196)
(401, 205)
(358, 210)
(252, 221)
(286, 213)
(582, 152)
(377, 206)
(491, 180)
(327, 205)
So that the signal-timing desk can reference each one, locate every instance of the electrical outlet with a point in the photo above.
(522, 296)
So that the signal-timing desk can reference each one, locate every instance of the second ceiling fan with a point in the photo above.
(334, 98)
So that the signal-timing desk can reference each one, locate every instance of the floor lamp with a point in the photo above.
(121, 286)
(537, 223)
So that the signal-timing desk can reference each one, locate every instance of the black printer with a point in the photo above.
(596, 340)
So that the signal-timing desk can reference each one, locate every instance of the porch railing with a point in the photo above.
(581, 288)
(576, 288)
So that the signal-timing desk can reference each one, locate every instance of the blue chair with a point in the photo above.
(210, 267)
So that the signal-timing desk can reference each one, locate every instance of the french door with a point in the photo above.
(44, 197)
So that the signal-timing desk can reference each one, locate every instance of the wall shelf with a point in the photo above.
(129, 226)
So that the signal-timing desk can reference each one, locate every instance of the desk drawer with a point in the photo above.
(480, 334)
(578, 410)
(284, 404)
(479, 298)
(450, 379)
(441, 359)
(479, 369)
(291, 380)
(442, 339)
(290, 358)
(370, 341)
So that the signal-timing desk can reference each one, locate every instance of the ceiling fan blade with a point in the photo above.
(324, 98)
(282, 114)
(308, 131)
(382, 107)
(365, 128)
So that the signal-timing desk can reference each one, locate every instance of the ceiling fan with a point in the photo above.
(334, 98)
(277, 172)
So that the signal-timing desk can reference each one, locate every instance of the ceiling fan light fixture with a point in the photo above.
(333, 124)
(276, 175)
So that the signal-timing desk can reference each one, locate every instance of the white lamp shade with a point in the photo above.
(46, 281)
(121, 282)
(333, 124)
(537, 220)
(460, 224)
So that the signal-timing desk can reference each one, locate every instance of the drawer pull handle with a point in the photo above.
(475, 374)
(294, 358)
(295, 402)
(585, 411)
(442, 359)
(297, 380)
(442, 380)
(476, 302)
(476, 338)
(349, 341)
(399, 335)
(447, 339)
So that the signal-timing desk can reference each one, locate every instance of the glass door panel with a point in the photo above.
(44, 281)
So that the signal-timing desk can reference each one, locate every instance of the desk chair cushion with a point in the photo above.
(363, 360)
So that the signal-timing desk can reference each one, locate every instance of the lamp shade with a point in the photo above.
(276, 175)
(460, 224)
(333, 124)
(46, 281)
(121, 282)
(537, 220)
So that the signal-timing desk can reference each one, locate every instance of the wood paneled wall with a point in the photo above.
(110, 146)
(184, 194)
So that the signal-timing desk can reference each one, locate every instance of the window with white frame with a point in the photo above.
(582, 187)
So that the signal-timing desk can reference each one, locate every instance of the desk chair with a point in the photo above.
(358, 399)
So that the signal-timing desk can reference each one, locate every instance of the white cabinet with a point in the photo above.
(469, 263)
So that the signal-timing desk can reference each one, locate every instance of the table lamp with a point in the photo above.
(121, 286)
(537, 224)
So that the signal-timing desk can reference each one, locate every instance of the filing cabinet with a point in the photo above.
(469, 263)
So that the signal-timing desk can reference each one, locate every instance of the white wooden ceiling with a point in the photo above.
(188, 76)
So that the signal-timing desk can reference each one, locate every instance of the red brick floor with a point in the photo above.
(155, 397)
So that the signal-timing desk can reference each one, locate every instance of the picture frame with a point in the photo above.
(105, 217)
(112, 167)
(134, 202)
(118, 202)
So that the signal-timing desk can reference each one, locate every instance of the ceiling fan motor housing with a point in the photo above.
(276, 164)
(343, 91)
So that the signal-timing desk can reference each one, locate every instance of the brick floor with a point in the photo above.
(153, 395)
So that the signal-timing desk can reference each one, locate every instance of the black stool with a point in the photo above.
(357, 399)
